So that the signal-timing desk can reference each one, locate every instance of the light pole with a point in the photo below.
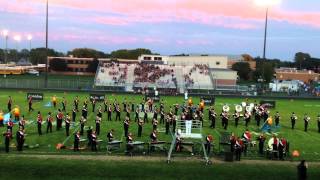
(29, 37)
(5, 33)
(17, 38)
(46, 75)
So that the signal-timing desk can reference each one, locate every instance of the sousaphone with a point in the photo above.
(238, 108)
(226, 108)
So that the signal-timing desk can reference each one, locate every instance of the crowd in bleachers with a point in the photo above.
(114, 72)
(147, 73)
(202, 69)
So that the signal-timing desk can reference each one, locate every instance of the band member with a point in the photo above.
(238, 148)
(261, 140)
(201, 117)
(64, 104)
(155, 124)
(109, 112)
(275, 146)
(9, 104)
(99, 114)
(110, 135)
(233, 140)
(247, 118)
(246, 141)
(225, 119)
(74, 114)
(7, 137)
(140, 126)
(136, 117)
(306, 122)
(162, 114)
(150, 104)
(82, 122)
(154, 139)
(167, 124)
(98, 122)
(93, 102)
(49, 122)
(105, 103)
(209, 140)
(39, 123)
(76, 142)
(30, 104)
(89, 132)
(126, 126)
(145, 116)
(318, 123)
(236, 116)
(178, 142)
(59, 119)
(132, 107)
(277, 118)
(176, 109)
(118, 112)
(54, 101)
(20, 139)
(67, 121)
(174, 123)
(212, 118)
(282, 147)
(293, 120)
(76, 103)
(10, 124)
(257, 116)
(85, 111)
(127, 111)
(93, 141)
(129, 143)
(22, 122)
(155, 114)
(85, 103)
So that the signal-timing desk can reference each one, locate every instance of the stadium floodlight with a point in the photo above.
(29, 37)
(17, 38)
(5, 33)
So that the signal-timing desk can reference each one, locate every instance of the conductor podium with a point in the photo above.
(189, 132)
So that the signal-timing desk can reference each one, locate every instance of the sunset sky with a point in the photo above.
(166, 26)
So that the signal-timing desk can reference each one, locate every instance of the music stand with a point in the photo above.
(189, 129)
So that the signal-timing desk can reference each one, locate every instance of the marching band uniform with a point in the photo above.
(85, 111)
(82, 122)
(20, 139)
(145, 117)
(136, 117)
(277, 119)
(76, 104)
(39, 123)
(247, 139)
(22, 122)
(238, 148)
(224, 120)
(128, 112)
(212, 117)
(49, 122)
(110, 136)
(178, 143)
(30, 104)
(232, 142)
(132, 107)
(275, 146)
(293, 120)
(129, 143)
(105, 103)
(176, 109)
(167, 124)
(153, 137)
(93, 102)
(117, 113)
(261, 140)
(209, 140)
(306, 122)
(8, 137)
(154, 124)
(54, 101)
(126, 126)
(281, 148)
(59, 119)
(67, 122)
(257, 116)
(174, 123)
(236, 118)
(89, 132)
(161, 116)
(64, 104)
(109, 112)
(9, 104)
(98, 121)
(247, 118)
(93, 141)
(10, 125)
(76, 141)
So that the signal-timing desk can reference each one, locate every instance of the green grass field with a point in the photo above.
(78, 168)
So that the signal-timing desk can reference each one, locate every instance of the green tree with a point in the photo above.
(243, 69)
(38, 55)
(93, 65)
(264, 70)
(58, 64)
(300, 58)
(87, 53)
(129, 54)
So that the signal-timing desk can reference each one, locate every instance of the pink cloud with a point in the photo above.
(243, 14)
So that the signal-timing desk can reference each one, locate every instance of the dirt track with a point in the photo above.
(155, 159)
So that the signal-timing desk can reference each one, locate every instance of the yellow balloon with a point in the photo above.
(269, 120)
(16, 111)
